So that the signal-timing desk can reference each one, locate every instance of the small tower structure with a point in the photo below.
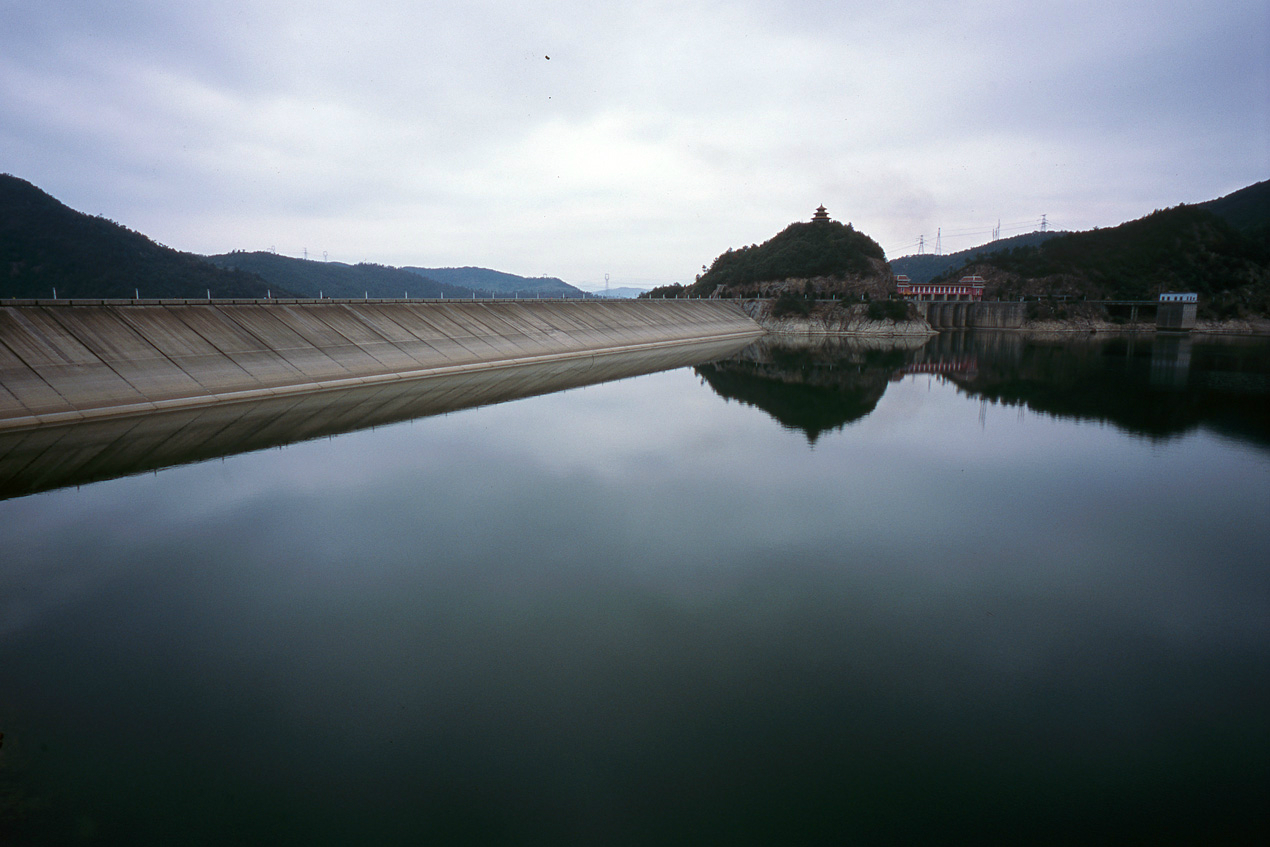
(821, 214)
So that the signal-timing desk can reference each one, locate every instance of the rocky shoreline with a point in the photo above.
(830, 320)
(1244, 326)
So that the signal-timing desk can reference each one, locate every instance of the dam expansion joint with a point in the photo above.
(62, 361)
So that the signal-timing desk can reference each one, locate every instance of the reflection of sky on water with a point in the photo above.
(573, 608)
(924, 469)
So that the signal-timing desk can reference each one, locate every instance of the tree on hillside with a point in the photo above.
(46, 245)
(800, 251)
(663, 292)
(1181, 249)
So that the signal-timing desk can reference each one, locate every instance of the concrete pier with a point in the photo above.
(1177, 317)
(63, 361)
(981, 314)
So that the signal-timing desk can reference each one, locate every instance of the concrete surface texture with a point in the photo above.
(41, 458)
(63, 361)
(983, 314)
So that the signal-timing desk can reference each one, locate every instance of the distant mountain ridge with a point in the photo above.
(923, 267)
(1247, 210)
(1186, 248)
(45, 245)
(1219, 249)
(311, 278)
(500, 283)
(622, 292)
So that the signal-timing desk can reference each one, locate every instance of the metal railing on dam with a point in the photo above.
(71, 360)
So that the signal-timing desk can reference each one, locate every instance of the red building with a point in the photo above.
(966, 288)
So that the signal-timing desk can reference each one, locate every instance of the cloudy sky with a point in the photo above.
(639, 139)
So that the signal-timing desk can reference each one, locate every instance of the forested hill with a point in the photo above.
(309, 278)
(923, 267)
(1247, 210)
(821, 257)
(46, 245)
(499, 283)
(825, 250)
(1185, 248)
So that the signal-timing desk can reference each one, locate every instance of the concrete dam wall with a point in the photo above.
(40, 458)
(966, 314)
(63, 361)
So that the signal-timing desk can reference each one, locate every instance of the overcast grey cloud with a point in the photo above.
(573, 139)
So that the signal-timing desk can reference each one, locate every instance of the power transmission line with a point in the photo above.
(994, 233)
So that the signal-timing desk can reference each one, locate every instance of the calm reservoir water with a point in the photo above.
(986, 590)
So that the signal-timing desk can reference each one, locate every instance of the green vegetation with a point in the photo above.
(789, 303)
(815, 391)
(800, 251)
(663, 291)
(1051, 310)
(1181, 249)
(309, 278)
(498, 283)
(924, 267)
(1117, 380)
(1247, 210)
(892, 310)
(45, 245)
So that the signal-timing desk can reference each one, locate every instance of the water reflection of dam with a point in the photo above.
(1171, 361)
(1159, 386)
(968, 365)
(48, 457)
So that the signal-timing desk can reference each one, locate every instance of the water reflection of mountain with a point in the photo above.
(813, 386)
(1154, 386)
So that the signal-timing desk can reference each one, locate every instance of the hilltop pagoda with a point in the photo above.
(821, 214)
